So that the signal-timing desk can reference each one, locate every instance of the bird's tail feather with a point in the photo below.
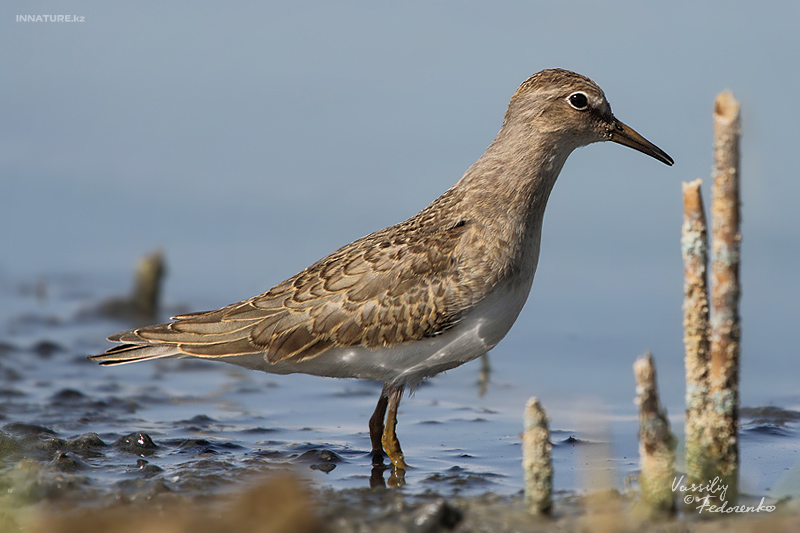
(133, 353)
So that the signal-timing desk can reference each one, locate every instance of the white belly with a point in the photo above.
(477, 333)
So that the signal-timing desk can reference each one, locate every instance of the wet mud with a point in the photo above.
(104, 449)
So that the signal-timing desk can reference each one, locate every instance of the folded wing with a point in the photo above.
(395, 286)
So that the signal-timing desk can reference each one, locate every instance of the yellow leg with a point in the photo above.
(389, 438)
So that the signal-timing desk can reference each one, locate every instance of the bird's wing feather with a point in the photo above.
(393, 286)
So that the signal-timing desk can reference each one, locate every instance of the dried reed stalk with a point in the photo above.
(536, 459)
(694, 249)
(656, 442)
(725, 326)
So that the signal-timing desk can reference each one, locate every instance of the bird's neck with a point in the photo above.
(511, 182)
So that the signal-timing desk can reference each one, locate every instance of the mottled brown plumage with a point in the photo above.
(397, 285)
(424, 295)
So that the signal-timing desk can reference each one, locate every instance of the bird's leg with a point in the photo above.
(389, 439)
(376, 427)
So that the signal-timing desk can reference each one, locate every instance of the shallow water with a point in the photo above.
(249, 156)
(73, 430)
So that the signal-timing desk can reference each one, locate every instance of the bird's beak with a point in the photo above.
(626, 136)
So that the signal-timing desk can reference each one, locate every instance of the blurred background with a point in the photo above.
(249, 139)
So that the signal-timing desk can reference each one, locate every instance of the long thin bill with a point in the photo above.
(627, 136)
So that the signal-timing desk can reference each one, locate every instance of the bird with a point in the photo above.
(425, 295)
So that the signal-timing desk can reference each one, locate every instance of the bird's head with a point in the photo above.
(573, 110)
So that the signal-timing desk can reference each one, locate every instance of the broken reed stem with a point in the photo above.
(694, 249)
(536, 460)
(147, 284)
(725, 326)
(656, 442)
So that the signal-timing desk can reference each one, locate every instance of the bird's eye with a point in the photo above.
(578, 101)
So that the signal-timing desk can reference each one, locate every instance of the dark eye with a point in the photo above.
(578, 101)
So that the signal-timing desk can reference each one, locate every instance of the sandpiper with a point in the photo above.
(425, 295)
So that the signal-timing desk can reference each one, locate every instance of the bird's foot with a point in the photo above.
(392, 447)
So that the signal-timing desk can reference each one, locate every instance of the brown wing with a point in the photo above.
(394, 286)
